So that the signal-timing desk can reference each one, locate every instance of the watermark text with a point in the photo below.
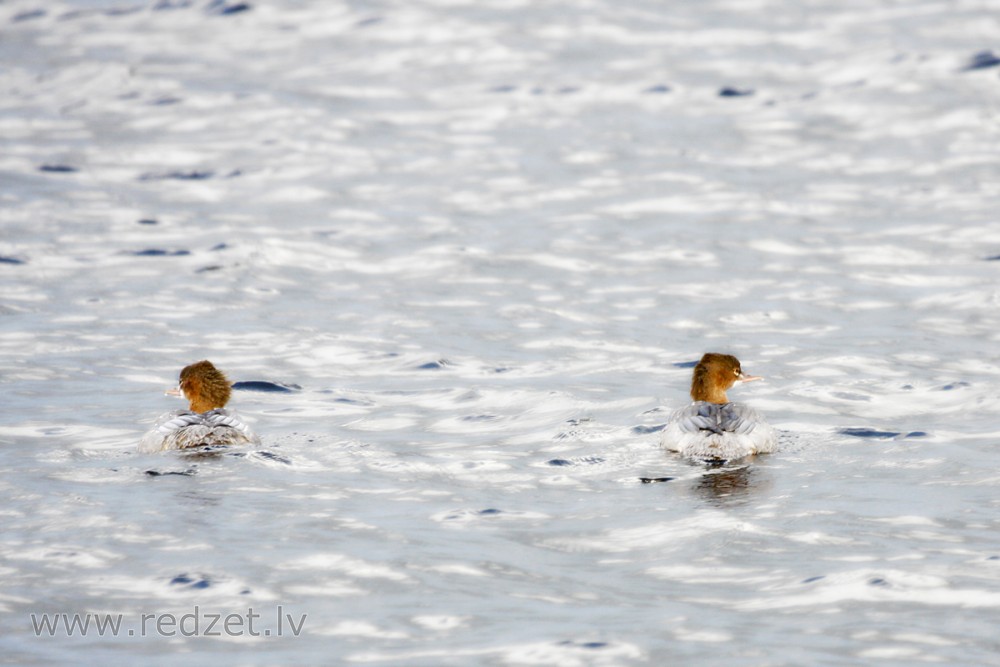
(197, 623)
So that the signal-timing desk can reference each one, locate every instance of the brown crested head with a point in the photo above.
(204, 386)
(714, 375)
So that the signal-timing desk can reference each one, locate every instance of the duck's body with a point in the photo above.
(718, 432)
(183, 429)
(207, 422)
(712, 428)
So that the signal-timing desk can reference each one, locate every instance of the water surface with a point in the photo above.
(477, 245)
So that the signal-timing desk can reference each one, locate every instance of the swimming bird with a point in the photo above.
(712, 428)
(206, 422)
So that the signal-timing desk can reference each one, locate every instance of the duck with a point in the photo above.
(711, 428)
(206, 422)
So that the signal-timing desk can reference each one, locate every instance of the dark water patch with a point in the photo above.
(712, 463)
(58, 169)
(434, 365)
(467, 513)
(178, 176)
(867, 433)
(994, 258)
(655, 480)
(659, 89)
(646, 430)
(993, 558)
(877, 581)
(190, 472)
(122, 11)
(502, 369)
(218, 246)
(730, 91)
(850, 396)
(28, 15)
(222, 8)
(148, 221)
(982, 60)
(157, 252)
(237, 8)
(588, 645)
(187, 581)
(684, 364)
(586, 460)
(505, 88)
(479, 418)
(165, 101)
(4, 259)
(811, 580)
(568, 90)
(204, 452)
(271, 456)
(350, 401)
(952, 385)
(364, 23)
(164, 5)
(916, 434)
(209, 268)
(266, 386)
(76, 14)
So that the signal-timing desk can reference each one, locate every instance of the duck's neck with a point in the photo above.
(705, 388)
(200, 404)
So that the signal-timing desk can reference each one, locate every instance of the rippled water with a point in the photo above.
(480, 241)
